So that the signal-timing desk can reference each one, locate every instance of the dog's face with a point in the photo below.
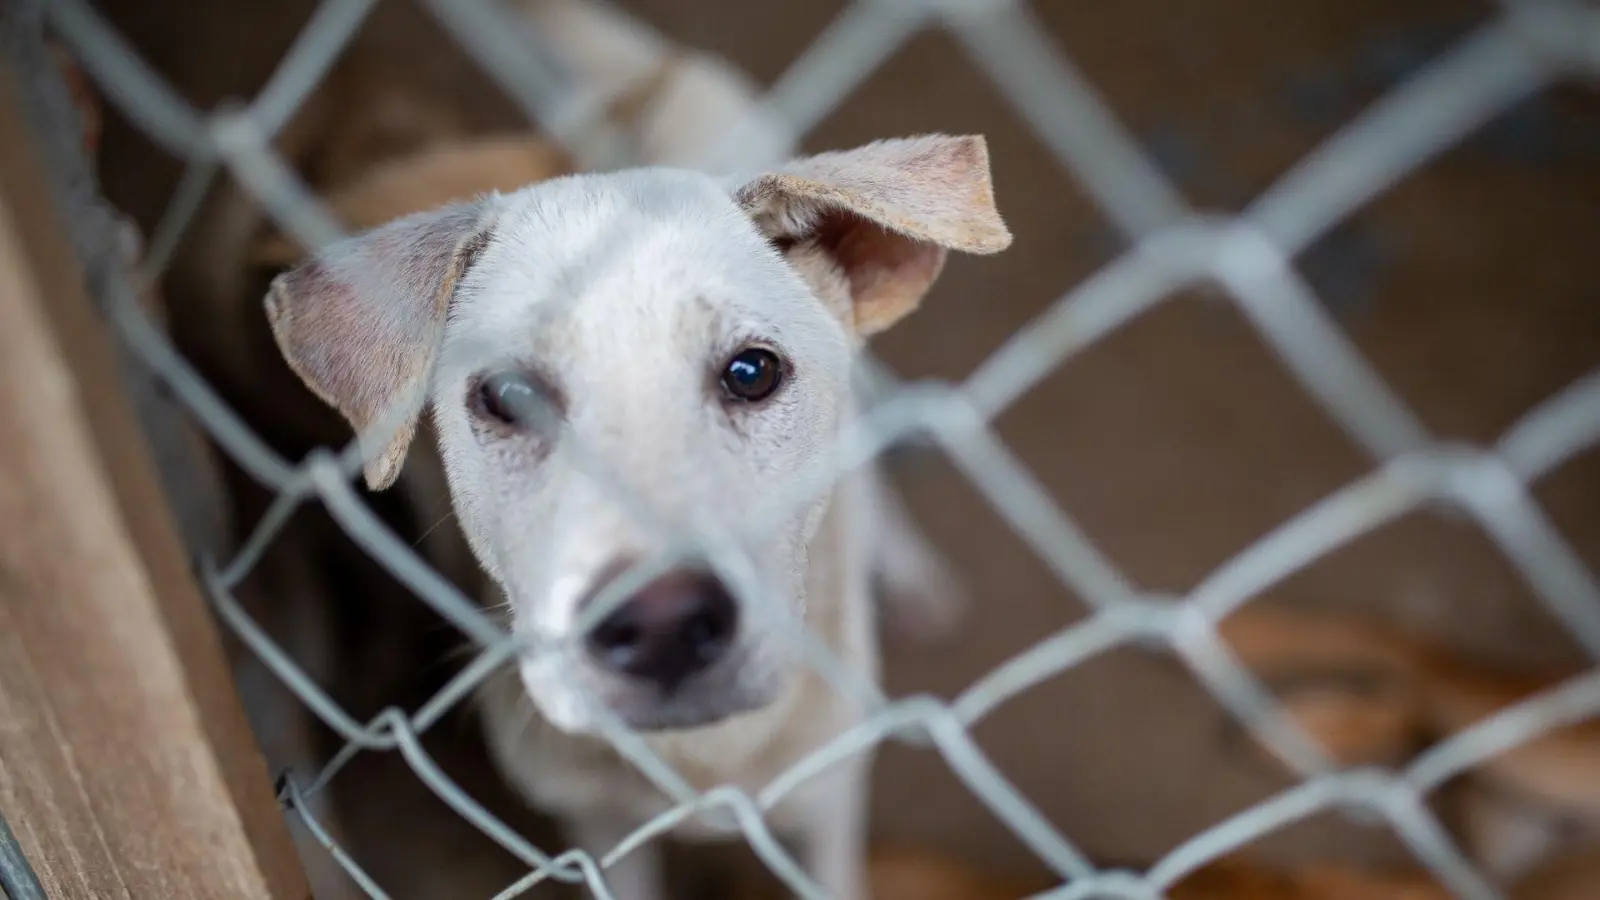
(693, 375)
(618, 363)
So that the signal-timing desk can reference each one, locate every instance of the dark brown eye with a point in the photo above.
(752, 375)
(510, 398)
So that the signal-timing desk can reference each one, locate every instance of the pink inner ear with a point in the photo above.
(889, 273)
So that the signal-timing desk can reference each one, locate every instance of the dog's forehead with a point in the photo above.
(589, 240)
(652, 253)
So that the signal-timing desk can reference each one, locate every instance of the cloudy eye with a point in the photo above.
(510, 398)
(752, 375)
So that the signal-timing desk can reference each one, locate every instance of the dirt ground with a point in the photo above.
(1181, 439)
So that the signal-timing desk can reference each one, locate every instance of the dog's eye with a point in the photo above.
(752, 375)
(511, 398)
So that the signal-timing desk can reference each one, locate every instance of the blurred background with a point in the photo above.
(1174, 443)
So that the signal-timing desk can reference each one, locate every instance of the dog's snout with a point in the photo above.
(674, 627)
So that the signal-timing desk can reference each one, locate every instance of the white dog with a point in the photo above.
(694, 337)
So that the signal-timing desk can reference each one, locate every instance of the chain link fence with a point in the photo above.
(1525, 48)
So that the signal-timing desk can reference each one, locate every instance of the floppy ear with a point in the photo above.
(360, 322)
(886, 213)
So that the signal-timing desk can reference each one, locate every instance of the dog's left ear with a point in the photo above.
(886, 213)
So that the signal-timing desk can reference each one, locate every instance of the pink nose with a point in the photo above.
(672, 629)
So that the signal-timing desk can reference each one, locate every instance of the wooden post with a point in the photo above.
(127, 767)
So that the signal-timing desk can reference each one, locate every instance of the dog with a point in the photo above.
(375, 150)
(697, 336)
(923, 600)
(1372, 696)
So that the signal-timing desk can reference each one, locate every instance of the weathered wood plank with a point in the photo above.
(127, 767)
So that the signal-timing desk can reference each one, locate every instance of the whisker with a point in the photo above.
(449, 514)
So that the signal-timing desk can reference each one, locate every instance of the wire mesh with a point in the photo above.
(1170, 245)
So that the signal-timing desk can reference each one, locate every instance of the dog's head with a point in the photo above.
(688, 337)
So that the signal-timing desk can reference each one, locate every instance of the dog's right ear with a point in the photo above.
(360, 322)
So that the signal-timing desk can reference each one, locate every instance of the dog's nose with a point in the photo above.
(673, 628)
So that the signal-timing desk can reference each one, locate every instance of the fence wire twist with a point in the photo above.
(1170, 245)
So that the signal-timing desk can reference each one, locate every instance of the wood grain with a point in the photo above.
(127, 768)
